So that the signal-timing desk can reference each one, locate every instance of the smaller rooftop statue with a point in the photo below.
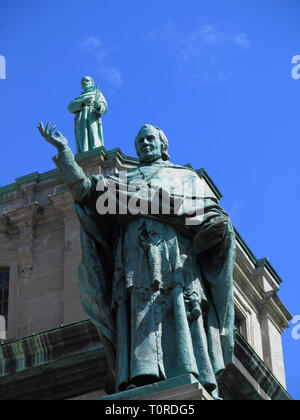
(88, 109)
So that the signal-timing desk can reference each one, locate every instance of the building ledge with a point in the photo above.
(69, 362)
(249, 378)
(53, 365)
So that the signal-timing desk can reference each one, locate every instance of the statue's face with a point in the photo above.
(87, 83)
(148, 145)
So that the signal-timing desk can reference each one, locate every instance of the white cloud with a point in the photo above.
(113, 75)
(90, 43)
(94, 47)
(241, 40)
(201, 48)
(165, 33)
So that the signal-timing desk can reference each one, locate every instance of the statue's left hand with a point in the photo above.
(60, 142)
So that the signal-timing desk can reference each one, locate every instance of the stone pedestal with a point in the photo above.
(184, 387)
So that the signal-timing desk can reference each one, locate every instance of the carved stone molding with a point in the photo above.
(21, 224)
(63, 203)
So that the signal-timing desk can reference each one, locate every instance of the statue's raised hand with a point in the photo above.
(59, 141)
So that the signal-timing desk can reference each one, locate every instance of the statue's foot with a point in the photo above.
(216, 396)
(131, 386)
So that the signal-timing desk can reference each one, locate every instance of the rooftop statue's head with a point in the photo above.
(151, 144)
(87, 83)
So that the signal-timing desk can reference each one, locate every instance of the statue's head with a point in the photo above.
(87, 83)
(151, 144)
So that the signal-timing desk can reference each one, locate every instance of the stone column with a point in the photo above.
(271, 339)
(73, 311)
(21, 224)
(273, 320)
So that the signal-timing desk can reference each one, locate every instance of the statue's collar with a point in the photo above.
(158, 162)
(91, 90)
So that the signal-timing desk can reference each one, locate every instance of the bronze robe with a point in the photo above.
(88, 122)
(140, 276)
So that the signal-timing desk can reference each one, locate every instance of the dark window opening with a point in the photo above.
(4, 288)
(240, 324)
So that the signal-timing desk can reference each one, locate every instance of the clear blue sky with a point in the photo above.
(214, 75)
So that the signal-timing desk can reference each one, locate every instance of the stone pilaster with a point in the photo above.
(73, 311)
(28, 184)
(21, 224)
(274, 319)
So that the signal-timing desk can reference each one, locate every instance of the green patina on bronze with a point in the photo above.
(159, 291)
(88, 109)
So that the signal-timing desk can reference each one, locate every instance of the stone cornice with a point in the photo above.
(15, 223)
(203, 174)
(263, 301)
(272, 307)
(23, 215)
(258, 263)
(28, 179)
(268, 268)
(62, 201)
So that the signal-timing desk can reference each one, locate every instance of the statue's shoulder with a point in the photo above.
(188, 167)
(184, 169)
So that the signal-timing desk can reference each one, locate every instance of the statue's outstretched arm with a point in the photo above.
(78, 183)
(60, 142)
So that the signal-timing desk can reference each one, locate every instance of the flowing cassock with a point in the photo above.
(88, 123)
(140, 275)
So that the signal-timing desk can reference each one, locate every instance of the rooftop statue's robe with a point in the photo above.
(88, 122)
(141, 275)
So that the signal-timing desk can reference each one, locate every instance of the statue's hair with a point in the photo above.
(162, 138)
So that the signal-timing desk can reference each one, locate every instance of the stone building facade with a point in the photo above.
(44, 328)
